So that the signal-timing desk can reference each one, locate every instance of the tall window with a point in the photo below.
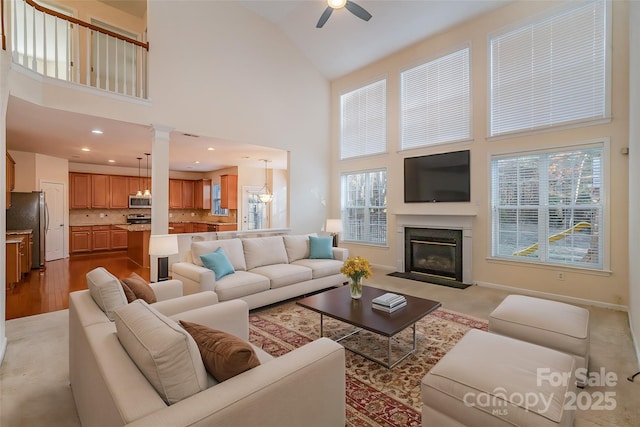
(364, 207)
(548, 207)
(363, 121)
(435, 101)
(551, 72)
(216, 208)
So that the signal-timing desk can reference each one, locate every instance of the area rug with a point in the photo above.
(376, 396)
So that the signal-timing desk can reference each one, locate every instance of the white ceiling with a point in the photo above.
(344, 44)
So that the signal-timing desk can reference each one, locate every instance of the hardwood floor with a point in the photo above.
(42, 292)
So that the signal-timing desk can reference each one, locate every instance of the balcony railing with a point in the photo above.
(56, 45)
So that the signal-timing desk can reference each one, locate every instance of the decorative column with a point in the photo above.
(5, 60)
(159, 187)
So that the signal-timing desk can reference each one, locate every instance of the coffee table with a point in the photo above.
(338, 304)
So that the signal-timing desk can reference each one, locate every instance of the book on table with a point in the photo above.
(389, 300)
(389, 309)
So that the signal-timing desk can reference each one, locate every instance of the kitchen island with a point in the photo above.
(138, 243)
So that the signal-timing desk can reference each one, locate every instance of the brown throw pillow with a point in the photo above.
(224, 355)
(128, 292)
(140, 288)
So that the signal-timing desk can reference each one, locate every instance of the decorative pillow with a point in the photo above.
(224, 355)
(165, 353)
(140, 288)
(320, 247)
(131, 297)
(106, 291)
(297, 246)
(232, 247)
(218, 262)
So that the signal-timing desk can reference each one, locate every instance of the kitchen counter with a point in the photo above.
(135, 227)
(18, 232)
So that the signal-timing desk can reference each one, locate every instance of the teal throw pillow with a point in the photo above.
(320, 247)
(218, 262)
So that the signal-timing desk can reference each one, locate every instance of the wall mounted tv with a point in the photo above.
(435, 178)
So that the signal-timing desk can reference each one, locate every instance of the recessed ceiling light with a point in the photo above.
(111, 161)
(97, 131)
(197, 162)
(86, 149)
(211, 149)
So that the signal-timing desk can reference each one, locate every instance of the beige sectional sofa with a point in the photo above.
(267, 269)
(302, 387)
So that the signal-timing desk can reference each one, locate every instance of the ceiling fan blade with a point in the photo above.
(357, 10)
(325, 15)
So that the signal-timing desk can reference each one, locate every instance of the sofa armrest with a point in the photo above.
(193, 277)
(229, 316)
(185, 303)
(303, 387)
(168, 289)
(341, 254)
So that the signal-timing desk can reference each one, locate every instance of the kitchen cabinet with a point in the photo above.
(226, 227)
(199, 228)
(100, 191)
(119, 187)
(177, 227)
(135, 184)
(203, 194)
(10, 178)
(101, 237)
(229, 191)
(80, 239)
(175, 194)
(118, 238)
(188, 188)
(12, 274)
(79, 190)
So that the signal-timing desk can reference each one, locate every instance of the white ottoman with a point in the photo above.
(553, 324)
(493, 380)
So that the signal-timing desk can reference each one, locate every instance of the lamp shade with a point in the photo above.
(333, 226)
(163, 244)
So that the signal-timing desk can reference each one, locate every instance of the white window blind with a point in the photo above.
(548, 207)
(363, 121)
(364, 207)
(435, 101)
(550, 72)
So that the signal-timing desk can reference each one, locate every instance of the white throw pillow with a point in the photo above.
(106, 291)
(259, 251)
(164, 352)
(231, 247)
(297, 246)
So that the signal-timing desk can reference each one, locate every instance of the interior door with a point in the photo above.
(54, 235)
(254, 212)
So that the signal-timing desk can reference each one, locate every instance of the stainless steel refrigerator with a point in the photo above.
(29, 211)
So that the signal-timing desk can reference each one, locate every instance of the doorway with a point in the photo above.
(54, 221)
(255, 215)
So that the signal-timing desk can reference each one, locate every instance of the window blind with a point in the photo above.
(363, 121)
(548, 207)
(550, 72)
(435, 101)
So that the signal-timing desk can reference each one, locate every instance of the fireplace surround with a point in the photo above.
(433, 252)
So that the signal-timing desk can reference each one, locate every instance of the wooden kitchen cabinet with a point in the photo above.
(79, 190)
(10, 178)
(118, 238)
(199, 228)
(119, 187)
(188, 193)
(135, 184)
(229, 191)
(203, 194)
(100, 192)
(80, 239)
(13, 274)
(226, 227)
(100, 237)
(175, 194)
(177, 227)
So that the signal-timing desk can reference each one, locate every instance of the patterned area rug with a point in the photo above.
(376, 396)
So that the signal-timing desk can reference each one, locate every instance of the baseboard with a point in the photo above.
(636, 344)
(3, 349)
(548, 295)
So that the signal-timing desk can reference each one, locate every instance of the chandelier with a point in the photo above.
(264, 194)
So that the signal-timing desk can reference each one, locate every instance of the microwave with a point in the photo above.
(136, 202)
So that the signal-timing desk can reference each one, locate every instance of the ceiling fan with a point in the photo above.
(352, 7)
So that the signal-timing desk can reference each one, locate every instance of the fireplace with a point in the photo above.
(435, 253)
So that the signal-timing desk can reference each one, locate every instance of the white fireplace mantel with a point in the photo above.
(462, 222)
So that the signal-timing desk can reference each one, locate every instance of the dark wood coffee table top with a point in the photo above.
(338, 304)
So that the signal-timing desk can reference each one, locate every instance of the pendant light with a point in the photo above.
(264, 194)
(147, 191)
(139, 192)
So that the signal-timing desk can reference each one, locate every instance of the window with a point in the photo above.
(551, 72)
(363, 121)
(364, 207)
(435, 101)
(548, 207)
(216, 209)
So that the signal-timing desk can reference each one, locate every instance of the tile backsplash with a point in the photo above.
(119, 216)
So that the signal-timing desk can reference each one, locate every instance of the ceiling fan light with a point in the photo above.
(336, 4)
(266, 197)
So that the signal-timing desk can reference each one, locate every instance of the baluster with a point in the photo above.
(44, 44)
(97, 70)
(87, 58)
(25, 61)
(55, 45)
(33, 22)
(117, 87)
(107, 74)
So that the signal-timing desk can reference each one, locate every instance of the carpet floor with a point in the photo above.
(376, 396)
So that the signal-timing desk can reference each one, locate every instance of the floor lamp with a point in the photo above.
(163, 245)
(334, 227)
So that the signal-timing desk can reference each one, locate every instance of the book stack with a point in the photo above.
(389, 302)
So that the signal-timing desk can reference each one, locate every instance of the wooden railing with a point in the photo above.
(63, 47)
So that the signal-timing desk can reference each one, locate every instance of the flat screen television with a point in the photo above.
(436, 178)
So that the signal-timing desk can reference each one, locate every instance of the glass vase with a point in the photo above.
(355, 287)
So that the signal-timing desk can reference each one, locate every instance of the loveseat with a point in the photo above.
(266, 270)
(302, 387)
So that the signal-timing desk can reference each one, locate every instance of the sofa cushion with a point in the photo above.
(232, 248)
(106, 291)
(139, 287)
(240, 284)
(224, 355)
(218, 262)
(297, 247)
(284, 274)
(164, 352)
(320, 247)
(259, 251)
(321, 267)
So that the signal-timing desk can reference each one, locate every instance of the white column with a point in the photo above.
(159, 187)
(5, 60)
